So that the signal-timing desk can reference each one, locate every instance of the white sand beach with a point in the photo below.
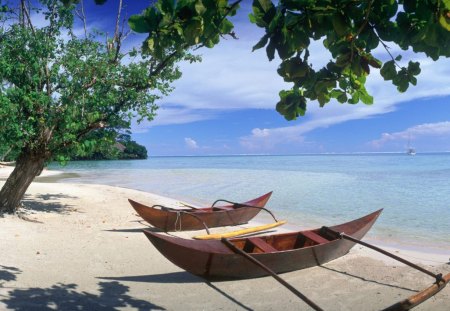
(80, 247)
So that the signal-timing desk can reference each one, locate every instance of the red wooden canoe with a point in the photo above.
(283, 252)
(191, 219)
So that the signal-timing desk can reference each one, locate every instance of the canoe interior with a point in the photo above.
(282, 242)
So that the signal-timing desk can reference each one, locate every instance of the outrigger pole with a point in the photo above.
(420, 297)
(271, 272)
(441, 281)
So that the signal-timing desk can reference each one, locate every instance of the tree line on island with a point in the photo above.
(123, 149)
(59, 87)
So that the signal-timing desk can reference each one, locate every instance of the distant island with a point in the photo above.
(123, 149)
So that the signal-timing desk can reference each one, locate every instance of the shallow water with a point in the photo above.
(309, 190)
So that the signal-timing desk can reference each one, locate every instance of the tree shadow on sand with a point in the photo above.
(8, 274)
(176, 278)
(49, 203)
(112, 295)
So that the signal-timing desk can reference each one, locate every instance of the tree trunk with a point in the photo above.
(27, 167)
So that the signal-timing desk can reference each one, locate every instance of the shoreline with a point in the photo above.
(439, 251)
(5, 171)
(83, 249)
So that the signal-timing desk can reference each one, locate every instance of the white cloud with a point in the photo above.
(170, 116)
(428, 131)
(267, 139)
(190, 143)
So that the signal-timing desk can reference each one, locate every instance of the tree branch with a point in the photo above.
(386, 47)
(366, 18)
(83, 18)
(27, 15)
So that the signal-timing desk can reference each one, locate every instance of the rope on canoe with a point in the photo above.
(239, 205)
(176, 221)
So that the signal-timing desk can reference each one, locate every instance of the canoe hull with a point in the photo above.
(179, 221)
(214, 260)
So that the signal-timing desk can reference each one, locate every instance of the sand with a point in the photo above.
(81, 248)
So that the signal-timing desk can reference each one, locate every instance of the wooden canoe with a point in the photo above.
(282, 252)
(192, 219)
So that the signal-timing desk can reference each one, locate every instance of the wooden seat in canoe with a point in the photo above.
(262, 245)
(314, 237)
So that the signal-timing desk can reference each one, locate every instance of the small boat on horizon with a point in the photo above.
(411, 151)
(193, 218)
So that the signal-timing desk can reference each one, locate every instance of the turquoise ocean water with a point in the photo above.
(309, 190)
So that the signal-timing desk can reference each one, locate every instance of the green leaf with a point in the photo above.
(270, 50)
(401, 80)
(139, 24)
(355, 98)
(414, 68)
(365, 97)
(375, 63)
(342, 98)
(199, 7)
(291, 105)
(166, 6)
(262, 42)
(323, 98)
(226, 27)
(150, 44)
(293, 69)
(388, 71)
(339, 95)
(266, 5)
(193, 30)
(339, 24)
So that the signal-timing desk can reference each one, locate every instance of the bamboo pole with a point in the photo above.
(239, 232)
(416, 299)
(375, 248)
(420, 297)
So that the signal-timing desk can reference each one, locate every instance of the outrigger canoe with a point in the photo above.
(170, 219)
(280, 252)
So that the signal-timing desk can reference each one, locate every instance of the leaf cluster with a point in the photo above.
(351, 31)
(175, 26)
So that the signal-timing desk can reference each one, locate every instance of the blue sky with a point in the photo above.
(226, 105)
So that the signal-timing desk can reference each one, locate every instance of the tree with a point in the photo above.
(124, 149)
(351, 30)
(57, 88)
(132, 150)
